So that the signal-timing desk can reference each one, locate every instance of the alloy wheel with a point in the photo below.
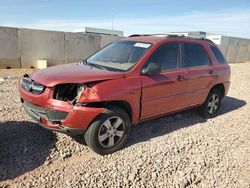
(111, 132)
(213, 104)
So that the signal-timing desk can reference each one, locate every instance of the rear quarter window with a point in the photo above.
(194, 55)
(218, 55)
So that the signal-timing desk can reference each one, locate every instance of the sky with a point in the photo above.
(228, 17)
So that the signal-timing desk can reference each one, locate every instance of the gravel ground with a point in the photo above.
(182, 150)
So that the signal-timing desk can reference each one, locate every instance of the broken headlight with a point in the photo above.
(68, 92)
(80, 90)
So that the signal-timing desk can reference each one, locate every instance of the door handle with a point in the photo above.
(211, 72)
(180, 78)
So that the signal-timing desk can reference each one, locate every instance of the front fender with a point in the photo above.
(124, 89)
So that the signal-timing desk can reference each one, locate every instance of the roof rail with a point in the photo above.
(158, 35)
(169, 35)
(138, 35)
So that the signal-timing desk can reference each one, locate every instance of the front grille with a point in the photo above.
(38, 112)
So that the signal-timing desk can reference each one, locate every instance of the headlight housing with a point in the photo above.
(26, 83)
(37, 88)
(31, 86)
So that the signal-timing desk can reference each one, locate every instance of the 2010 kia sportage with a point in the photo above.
(127, 82)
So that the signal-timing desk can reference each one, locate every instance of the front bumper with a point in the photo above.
(58, 115)
(50, 119)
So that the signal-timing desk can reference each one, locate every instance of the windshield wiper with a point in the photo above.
(93, 65)
(97, 66)
(85, 62)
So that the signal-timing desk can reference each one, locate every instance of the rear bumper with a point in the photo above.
(226, 86)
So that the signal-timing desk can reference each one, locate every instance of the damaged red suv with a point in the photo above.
(129, 81)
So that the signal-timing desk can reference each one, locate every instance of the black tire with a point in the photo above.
(205, 108)
(92, 134)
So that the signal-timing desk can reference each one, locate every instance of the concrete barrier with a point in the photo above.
(105, 40)
(242, 54)
(37, 44)
(236, 54)
(9, 48)
(79, 46)
(23, 47)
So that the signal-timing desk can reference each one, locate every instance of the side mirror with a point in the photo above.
(152, 68)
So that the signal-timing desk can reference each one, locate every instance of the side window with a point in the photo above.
(166, 56)
(194, 55)
(218, 55)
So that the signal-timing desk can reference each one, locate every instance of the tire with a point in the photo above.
(210, 107)
(104, 136)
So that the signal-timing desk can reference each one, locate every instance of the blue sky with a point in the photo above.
(229, 17)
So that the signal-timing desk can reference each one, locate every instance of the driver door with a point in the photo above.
(164, 92)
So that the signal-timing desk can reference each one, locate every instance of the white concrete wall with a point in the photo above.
(23, 47)
(79, 46)
(236, 54)
(9, 48)
(105, 40)
(37, 44)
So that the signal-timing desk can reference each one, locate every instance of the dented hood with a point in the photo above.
(72, 73)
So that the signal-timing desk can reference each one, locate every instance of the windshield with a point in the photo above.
(119, 56)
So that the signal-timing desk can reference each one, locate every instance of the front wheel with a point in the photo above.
(109, 131)
(212, 104)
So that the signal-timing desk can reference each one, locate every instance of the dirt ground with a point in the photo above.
(181, 150)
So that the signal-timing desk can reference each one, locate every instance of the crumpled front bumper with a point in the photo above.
(45, 117)
(73, 123)
(58, 115)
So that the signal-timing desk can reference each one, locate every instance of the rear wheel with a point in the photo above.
(109, 131)
(212, 104)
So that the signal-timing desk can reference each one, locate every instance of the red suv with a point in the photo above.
(129, 81)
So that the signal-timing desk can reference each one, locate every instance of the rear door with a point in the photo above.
(164, 92)
(199, 72)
